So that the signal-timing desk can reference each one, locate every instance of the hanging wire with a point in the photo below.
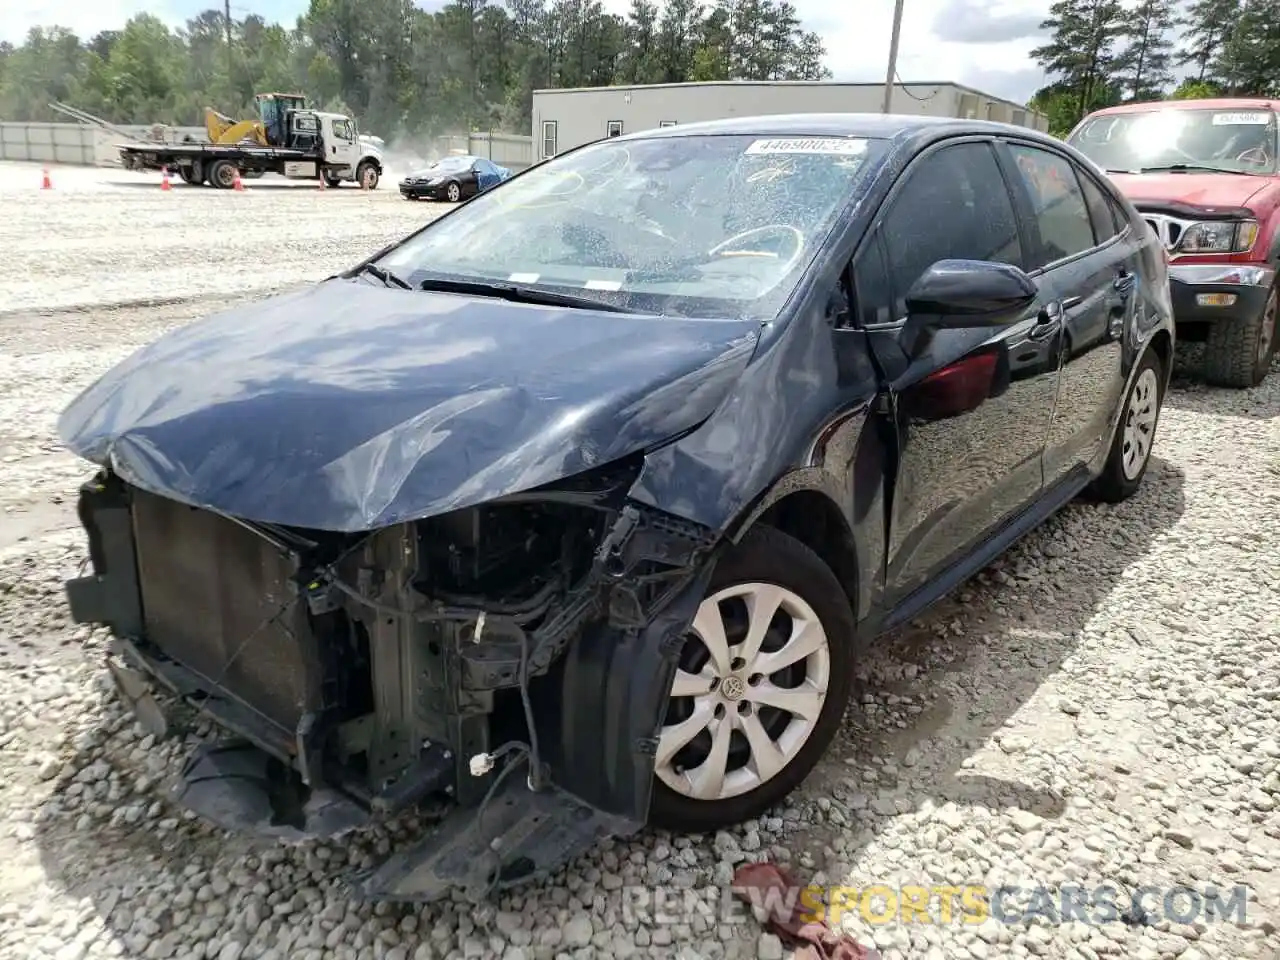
(923, 100)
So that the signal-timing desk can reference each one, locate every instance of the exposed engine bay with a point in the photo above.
(510, 658)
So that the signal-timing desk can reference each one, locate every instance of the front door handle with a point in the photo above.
(1123, 284)
(1046, 325)
(1049, 321)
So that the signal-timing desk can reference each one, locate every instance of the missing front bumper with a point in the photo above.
(603, 654)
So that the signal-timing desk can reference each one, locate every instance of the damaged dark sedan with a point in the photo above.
(571, 511)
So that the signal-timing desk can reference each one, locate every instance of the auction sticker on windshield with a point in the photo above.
(1254, 118)
(832, 146)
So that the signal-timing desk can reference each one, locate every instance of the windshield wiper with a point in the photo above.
(388, 278)
(517, 293)
(1188, 167)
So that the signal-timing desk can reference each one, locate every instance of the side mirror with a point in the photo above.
(969, 293)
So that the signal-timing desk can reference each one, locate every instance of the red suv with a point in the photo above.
(1203, 174)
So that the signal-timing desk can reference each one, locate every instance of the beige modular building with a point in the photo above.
(563, 119)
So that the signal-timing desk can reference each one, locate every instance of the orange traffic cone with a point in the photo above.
(237, 183)
(46, 182)
(164, 179)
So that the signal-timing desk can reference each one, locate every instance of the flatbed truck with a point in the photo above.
(291, 140)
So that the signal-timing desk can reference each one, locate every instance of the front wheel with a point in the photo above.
(761, 686)
(367, 176)
(1239, 353)
(1131, 449)
(453, 191)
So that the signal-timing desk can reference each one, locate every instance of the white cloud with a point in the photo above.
(982, 44)
(857, 41)
(17, 17)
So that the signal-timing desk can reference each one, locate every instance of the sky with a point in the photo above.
(980, 43)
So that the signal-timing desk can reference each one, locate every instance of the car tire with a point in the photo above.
(1130, 453)
(453, 191)
(769, 567)
(331, 180)
(1239, 354)
(367, 176)
(222, 174)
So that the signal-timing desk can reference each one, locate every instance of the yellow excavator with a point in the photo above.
(265, 132)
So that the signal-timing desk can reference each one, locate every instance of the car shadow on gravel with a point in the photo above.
(954, 682)
(931, 694)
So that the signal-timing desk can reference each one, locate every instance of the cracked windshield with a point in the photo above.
(1229, 141)
(711, 226)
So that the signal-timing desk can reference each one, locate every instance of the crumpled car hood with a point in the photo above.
(349, 406)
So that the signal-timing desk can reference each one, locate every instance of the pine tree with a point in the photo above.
(1080, 54)
(1248, 62)
(1144, 64)
(1207, 25)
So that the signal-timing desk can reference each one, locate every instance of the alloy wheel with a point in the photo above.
(1140, 423)
(455, 193)
(752, 679)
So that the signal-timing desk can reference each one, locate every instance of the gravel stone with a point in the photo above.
(1100, 705)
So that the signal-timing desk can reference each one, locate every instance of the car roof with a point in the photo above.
(884, 126)
(1217, 103)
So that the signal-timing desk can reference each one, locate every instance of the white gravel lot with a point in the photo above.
(1101, 707)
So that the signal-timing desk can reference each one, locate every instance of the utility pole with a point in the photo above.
(891, 73)
(226, 8)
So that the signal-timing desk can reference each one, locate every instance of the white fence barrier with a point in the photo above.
(75, 143)
(84, 145)
(505, 149)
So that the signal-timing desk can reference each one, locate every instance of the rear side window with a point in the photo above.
(1057, 202)
(954, 204)
(1102, 211)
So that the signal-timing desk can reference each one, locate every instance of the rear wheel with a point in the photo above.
(190, 175)
(223, 174)
(1239, 354)
(332, 179)
(762, 684)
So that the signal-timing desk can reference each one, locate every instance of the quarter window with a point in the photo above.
(1057, 202)
(955, 204)
(1107, 218)
(872, 291)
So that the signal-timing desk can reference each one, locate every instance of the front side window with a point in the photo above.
(711, 226)
(342, 129)
(1225, 141)
(954, 205)
(1057, 202)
